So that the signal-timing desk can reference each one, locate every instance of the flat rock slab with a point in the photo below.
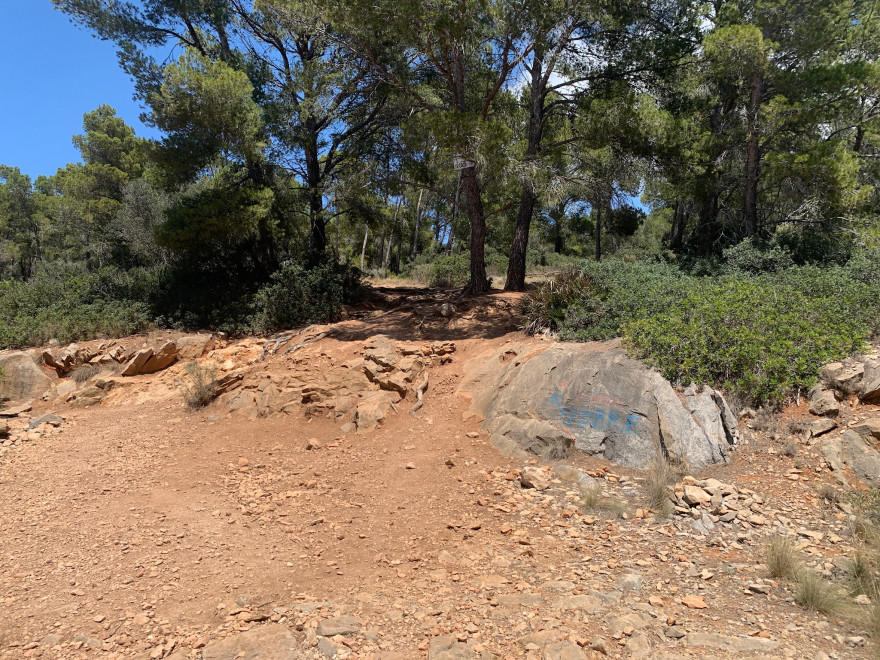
(449, 648)
(270, 642)
(595, 399)
(340, 625)
(731, 644)
(52, 420)
(16, 410)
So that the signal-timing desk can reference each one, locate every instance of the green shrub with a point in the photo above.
(592, 302)
(454, 270)
(754, 339)
(762, 331)
(296, 296)
(754, 256)
(65, 306)
(546, 306)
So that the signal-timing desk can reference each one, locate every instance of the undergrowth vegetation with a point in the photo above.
(70, 305)
(760, 329)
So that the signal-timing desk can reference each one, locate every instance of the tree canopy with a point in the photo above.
(390, 133)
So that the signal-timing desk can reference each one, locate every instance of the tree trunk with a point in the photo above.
(418, 228)
(599, 231)
(317, 226)
(474, 206)
(364, 248)
(387, 258)
(516, 267)
(454, 214)
(707, 232)
(379, 247)
(860, 136)
(676, 232)
(753, 157)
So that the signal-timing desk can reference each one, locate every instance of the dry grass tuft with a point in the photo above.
(592, 499)
(659, 476)
(860, 572)
(816, 593)
(198, 388)
(781, 558)
(828, 494)
(85, 372)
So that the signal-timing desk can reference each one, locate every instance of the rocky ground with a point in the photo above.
(259, 530)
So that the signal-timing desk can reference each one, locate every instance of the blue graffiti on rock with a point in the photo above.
(599, 413)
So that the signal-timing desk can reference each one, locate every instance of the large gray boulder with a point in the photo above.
(595, 399)
(861, 457)
(22, 378)
(870, 385)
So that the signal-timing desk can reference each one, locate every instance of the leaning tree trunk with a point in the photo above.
(474, 206)
(387, 260)
(753, 157)
(598, 232)
(516, 267)
(364, 248)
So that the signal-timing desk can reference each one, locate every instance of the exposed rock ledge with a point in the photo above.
(593, 398)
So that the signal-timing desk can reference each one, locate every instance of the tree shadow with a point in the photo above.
(418, 314)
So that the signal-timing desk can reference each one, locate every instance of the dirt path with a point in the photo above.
(149, 531)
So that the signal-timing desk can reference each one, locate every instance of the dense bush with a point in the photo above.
(761, 335)
(296, 296)
(592, 302)
(66, 307)
(753, 257)
(755, 338)
(454, 270)
(71, 305)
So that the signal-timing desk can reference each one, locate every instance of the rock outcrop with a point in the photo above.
(22, 377)
(595, 399)
(860, 377)
(149, 361)
(869, 387)
(823, 402)
(359, 394)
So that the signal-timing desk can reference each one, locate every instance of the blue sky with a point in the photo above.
(52, 73)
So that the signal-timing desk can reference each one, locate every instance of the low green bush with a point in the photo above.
(593, 301)
(296, 296)
(443, 270)
(71, 305)
(761, 331)
(67, 307)
(754, 338)
(753, 256)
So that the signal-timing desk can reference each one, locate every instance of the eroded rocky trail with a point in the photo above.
(306, 514)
